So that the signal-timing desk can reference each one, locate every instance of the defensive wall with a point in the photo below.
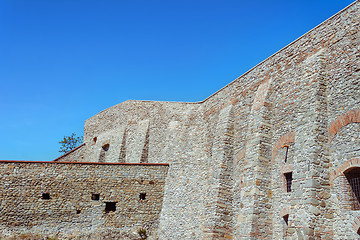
(265, 157)
(86, 201)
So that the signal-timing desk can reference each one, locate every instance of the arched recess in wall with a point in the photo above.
(353, 178)
(356, 225)
(344, 154)
(104, 148)
(286, 139)
(262, 95)
(122, 154)
(145, 151)
(257, 153)
(281, 182)
(352, 116)
(284, 168)
(137, 146)
(344, 144)
(346, 180)
(221, 160)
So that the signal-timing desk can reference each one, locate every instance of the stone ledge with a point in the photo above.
(85, 163)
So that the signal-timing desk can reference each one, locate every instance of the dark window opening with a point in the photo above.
(151, 182)
(288, 177)
(286, 219)
(45, 196)
(142, 196)
(358, 231)
(95, 197)
(78, 211)
(110, 207)
(106, 147)
(95, 139)
(353, 177)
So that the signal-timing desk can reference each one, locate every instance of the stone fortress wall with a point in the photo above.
(80, 200)
(230, 156)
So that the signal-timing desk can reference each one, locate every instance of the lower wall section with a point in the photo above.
(80, 199)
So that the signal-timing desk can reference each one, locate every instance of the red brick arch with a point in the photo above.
(354, 162)
(352, 116)
(288, 137)
(356, 224)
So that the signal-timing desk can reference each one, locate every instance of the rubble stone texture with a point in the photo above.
(71, 207)
(228, 156)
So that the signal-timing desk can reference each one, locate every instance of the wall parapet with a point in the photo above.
(96, 198)
(85, 163)
(69, 152)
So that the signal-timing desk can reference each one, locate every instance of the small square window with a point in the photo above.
(142, 196)
(78, 211)
(95, 197)
(46, 196)
(110, 207)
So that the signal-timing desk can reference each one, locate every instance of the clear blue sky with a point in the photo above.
(63, 61)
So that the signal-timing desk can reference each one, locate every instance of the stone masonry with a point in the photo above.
(273, 155)
(74, 200)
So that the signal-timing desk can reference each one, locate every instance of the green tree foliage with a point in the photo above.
(70, 142)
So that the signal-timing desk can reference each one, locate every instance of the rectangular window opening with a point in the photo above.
(142, 196)
(110, 207)
(95, 197)
(288, 177)
(46, 196)
(353, 177)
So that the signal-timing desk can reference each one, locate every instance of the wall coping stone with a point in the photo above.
(85, 163)
(67, 153)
